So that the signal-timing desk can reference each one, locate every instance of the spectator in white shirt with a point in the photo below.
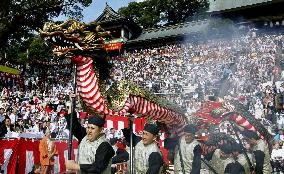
(280, 121)
(13, 116)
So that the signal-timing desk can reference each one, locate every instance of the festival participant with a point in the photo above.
(223, 162)
(240, 156)
(48, 150)
(148, 157)
(260, 151)
(190, 159)
(95, 152)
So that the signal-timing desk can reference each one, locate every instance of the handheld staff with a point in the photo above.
(70, 138)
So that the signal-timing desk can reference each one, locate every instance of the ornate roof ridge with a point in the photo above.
(108, 14)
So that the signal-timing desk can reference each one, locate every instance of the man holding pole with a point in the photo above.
(187, 158)
(240, 157)
(223, 161)
(148, 158)
(95, 152)
(260, 151)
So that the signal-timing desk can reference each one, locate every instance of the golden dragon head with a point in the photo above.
(73, 38)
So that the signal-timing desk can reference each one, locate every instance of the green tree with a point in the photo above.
(18, 18)
(38, 50)
(145, 13)
(153, 13)
(177, 11)
(32, 49)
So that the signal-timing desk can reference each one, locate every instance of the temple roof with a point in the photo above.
(223, 5)
(242, 11)
(172, 31)
(111, 19)
(108, 15)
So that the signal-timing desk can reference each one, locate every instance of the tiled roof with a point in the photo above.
(221, 5)
(171, 31)
(108, 15)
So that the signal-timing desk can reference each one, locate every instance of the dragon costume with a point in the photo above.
(84, 45)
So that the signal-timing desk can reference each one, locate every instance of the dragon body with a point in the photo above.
(84, 45)
(79, 42)
(128, 98)
(213, 113)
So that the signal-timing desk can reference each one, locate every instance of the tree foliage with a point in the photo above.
(152, 13)
(27, 51)
(145, 13)
(177, 11)
(38, 50)
(18, 18)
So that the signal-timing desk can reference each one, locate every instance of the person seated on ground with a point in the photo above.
(36, 169)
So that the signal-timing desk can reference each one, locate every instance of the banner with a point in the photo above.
(19, 155)
(113, 46)
(9, 70)
(120, 122)
(28, 155)
(114, 41)
(8, 155)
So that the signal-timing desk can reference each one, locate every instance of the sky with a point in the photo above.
(96, 8)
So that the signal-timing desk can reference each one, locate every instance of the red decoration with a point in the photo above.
(120, 145)
(83, 115)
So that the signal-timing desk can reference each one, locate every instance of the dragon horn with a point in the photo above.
(40, 30)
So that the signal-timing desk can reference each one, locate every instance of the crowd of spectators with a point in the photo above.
(248, 67)
(41, 101)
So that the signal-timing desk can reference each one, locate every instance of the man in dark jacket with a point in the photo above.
(148, 158)
(188, 152)
(260, 152)
(95, 152)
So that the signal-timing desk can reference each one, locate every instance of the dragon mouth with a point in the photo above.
(63, 44)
